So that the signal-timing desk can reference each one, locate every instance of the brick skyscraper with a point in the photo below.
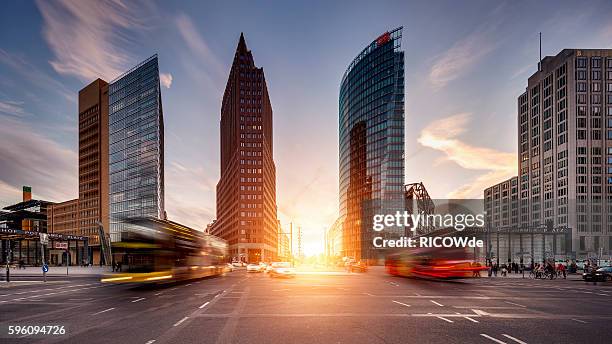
(246, 192)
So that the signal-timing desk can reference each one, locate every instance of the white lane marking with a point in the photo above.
(368, 294)
(436, 303)
(217, 295)
(151, 341)
(493, 339)
(158, 294)
(602, 294)
(204, 305)
(180, 321)
(138, 300)
(472, 320)
(443, 318)
(104, 311)
(515, 304)
(401, 303)
(187, 285)
(514, 339)
(580, 321)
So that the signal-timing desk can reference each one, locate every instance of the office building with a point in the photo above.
(371, 135)
(565, 152)
(136, 146)
(246, 191)
(501, 204)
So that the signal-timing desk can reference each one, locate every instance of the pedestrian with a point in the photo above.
(495, 267)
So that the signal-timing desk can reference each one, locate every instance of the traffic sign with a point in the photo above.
(45, 268)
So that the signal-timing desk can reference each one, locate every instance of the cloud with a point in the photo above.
(35, 76)
(189, 193)
(460, 58)
(12, 108)
(442, 135)
(203, 60)
(165, 79)
(29, 158)
(88, 37)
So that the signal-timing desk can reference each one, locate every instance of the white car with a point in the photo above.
(237, 264)
(253, 268)
(229, 267)
(282, 269)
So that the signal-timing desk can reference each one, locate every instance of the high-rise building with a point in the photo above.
(93, 163)
(565, 149)
(246, 192)
(136, 146)
(371, 126)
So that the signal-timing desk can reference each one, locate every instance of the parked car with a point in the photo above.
(282, 269)
(229, 267)
(602, 274)
(237, 264)
(253, 268)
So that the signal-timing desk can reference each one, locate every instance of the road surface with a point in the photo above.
(367, 307)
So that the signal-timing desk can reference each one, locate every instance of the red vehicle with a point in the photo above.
(445, 263)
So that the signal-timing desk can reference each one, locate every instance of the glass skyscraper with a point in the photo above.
(136, 139)
(371, 125)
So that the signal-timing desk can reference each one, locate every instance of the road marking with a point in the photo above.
(204, 305)
(158, 294)
(443, 318)
(138, 300)
(104, 311)
(515, 304)
(368, 294)
(400, 303)
(493, 339)
(187, 285)
(580, 321)
(602, 294)
(151, 341)
(436, 303)
(514, 339)
(180, 321)
(472, 320)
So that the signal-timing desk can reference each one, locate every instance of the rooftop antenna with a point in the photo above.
(540, 65)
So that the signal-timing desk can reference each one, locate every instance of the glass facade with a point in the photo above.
(136, 139)
(371, 125)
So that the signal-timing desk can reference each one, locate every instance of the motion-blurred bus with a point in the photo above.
(153, 250)
(445, 263)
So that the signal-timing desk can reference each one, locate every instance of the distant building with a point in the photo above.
(246, 192)
(63, 217)
(284, 245)
(371, 137)
(333, 240)
(501, 204)
(136, 146)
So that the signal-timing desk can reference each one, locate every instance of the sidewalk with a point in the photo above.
(57, 271)
(570, 277)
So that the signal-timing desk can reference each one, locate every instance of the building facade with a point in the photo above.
(246, 192)
(136, 146)
(371, 135)
(565, 149)
(93, 202)
(501, 204)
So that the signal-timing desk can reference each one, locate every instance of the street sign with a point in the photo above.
(44, 238)
(61, 245)
(45, 268)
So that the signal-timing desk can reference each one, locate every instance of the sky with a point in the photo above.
(466, 62)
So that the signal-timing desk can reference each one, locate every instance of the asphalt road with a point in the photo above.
(343, 308)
